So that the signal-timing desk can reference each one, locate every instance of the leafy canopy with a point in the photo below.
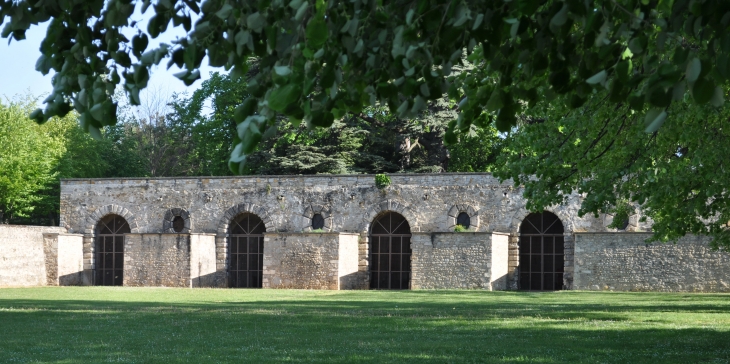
(678, 176)
(321, 59)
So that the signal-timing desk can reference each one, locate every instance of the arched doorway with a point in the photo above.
(246, 251)
(390, 252)
(541, 252)
(109, 251)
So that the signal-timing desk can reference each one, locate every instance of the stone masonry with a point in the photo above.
(459, 260)
(337, 257)
(286, 204)
(310, 261)
(157, 260)
(625, 262)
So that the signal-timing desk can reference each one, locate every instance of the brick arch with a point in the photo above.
(521, 214)
(390, 205)
(243, 208)
(313, 209)
(103, 211)
(470, 210)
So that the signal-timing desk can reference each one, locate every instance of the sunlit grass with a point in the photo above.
(158, 325)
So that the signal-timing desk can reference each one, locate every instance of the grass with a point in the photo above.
(158, 325)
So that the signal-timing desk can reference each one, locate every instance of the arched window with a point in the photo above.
(246, 251)
(464, 220)
(541, 252)
(390, 252)
(317, 222)
(109, 251)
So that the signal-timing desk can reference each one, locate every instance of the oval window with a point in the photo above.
(178, 224)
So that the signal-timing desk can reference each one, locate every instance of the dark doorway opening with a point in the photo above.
(109, 251)
(390, 252)
(246, 251)
(541, 253)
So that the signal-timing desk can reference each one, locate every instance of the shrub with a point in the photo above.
(460, 229)
(382, 181)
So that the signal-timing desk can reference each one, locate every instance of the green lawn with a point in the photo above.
(158, 325)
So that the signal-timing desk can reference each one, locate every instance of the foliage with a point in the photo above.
(621, 214)
(382, 181)
(677, 174)
(319, 60)
(476, 151)
(182, 325)
(460, 229)
(30, 153)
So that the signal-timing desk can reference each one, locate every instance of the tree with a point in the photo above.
(30, 153)
(678, 175)
(320, 61)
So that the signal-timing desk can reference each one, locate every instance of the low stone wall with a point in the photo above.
(459, 260)
(624, 262)
(25, 255)
(154, 260)
(310, 260)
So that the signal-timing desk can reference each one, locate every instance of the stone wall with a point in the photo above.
(459, 260)
(310, 260)
(25, 254)
(287, 203)
(157, 260)
(624, 262)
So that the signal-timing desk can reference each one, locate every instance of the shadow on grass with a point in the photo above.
(431, 326)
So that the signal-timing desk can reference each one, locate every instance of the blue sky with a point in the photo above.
(19, 77)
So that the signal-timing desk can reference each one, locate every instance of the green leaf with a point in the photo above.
(246, 109)
(256, 22)
(599, 77)
(316, 32)
(694, 67)
(281, 97)
(703, 90)
(718, 97)
(624, 69)
(654, 119)
(97, 111)
(559, 19)
(495, 101)
(225, 11)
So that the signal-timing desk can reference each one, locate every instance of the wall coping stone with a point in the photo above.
(284, 176)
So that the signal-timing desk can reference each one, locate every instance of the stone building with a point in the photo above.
(342, 232)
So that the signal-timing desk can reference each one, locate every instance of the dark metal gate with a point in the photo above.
(109, 251)
(541, 253)
(390, 252)
(246, 251)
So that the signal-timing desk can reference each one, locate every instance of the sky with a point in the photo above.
(19, 78)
